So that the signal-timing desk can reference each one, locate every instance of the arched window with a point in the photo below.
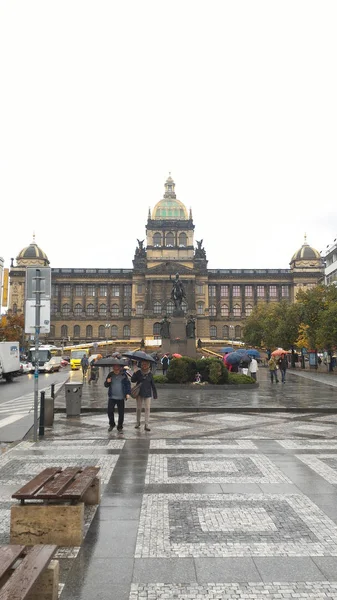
(249, 309)
(65, 310)
(157, 308)
(90, 310)
(225, 332)
(212, 331)
(184, 306)
(139, 309)
(237, 332)
(200, 308)
(169, 239)
(77, 331)
(64, 331)
(78, 310)
(115, 310)
(89, 331)
(126, 332)
(53, 309)
(114, 331)
(101, 331)
(157, 239)
(156, 330)
(182, 239)
(52, 331)
(169, 307)
(212, 310)
(127, 311)
(224, 310)
(102, 310)
(237, 310)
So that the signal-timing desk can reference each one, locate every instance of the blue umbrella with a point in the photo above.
(226, 350)
(254, 353)
(241, 351)
(233, 358)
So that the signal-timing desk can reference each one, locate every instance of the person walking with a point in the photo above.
(165, 361)
(273, 369)
(253, 368)
(119, 389)
(283, 365)
(147, 389)
(84, 364)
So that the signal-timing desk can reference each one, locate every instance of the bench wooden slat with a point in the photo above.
(81, 483)
(54, 488)
(8, 556)
(28, 490)
(26, 574)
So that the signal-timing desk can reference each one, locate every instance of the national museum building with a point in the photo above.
(96, 304)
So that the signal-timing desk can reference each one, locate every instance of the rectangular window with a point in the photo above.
(140, 288)
(285, 291)
(212, 291)
(199, 289)
(236, 291)
(66, 290)
(260, 291)
(127, 291)
(78, 290)
(272, 291)
(248, 291)
(103, 290)
(91, 291)
(115, 290)
(54, 289)
(200, 309)
(224, 291)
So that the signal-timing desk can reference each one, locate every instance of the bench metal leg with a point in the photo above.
(61, 524)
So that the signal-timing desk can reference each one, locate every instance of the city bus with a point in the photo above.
(49, 358)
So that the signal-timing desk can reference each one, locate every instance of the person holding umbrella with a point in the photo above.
(144, 378)
(119, 387)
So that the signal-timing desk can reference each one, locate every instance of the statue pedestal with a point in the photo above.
(178, 342)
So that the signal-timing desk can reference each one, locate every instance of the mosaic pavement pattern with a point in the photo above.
(205, 444)
(217, 468)
(65, 444)
(221, 525)
(322, 590)
(308, 444)
(323, 464)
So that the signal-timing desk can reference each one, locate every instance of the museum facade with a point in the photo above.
(96, 304)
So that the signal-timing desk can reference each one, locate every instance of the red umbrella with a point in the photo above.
(278, 352)
(176, 355)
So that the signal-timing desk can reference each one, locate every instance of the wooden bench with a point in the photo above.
(28, 573)
(58, 517)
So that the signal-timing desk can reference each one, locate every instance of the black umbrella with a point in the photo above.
(139, 355)
(108, 362)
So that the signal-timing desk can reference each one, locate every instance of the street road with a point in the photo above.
(24, 384)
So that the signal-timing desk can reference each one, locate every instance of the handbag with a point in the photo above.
(135, 390)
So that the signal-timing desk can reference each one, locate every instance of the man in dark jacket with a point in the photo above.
(165, 361)
(147, 388)
(283, 365)
(119, 387)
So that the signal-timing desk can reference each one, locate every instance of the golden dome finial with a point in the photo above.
(305, 238)
(33, 237)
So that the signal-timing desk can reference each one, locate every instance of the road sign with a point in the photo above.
(44, 316)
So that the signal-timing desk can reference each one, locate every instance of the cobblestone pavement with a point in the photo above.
(206, 506)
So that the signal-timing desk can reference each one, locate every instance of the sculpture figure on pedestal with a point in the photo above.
(165, 328)
(190, 327)
(178, 292)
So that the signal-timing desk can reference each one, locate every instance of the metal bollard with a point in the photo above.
(48, 412)
(41, 428)
(52, 392)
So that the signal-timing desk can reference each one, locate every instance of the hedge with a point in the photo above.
(239, 379)
(184, 370)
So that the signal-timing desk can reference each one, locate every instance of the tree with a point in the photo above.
(326, 334)
(313, 306)
(12, 327)
(272, 325)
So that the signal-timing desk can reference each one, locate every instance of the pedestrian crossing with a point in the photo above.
(23, 405)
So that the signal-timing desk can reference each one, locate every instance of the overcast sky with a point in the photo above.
(100, 100)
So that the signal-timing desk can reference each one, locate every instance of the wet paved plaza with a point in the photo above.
(208, 505)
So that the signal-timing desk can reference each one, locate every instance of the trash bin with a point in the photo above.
(73, 392)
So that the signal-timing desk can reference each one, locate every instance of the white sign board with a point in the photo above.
(44, 316)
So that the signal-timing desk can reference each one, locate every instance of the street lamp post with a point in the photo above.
(231, 333)
(106, 327)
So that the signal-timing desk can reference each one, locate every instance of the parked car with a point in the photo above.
(26, 367)
(64, 362)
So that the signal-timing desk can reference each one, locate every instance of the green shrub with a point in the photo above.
(160, 378)
(238, 379)
(181, 370)
(212, 370)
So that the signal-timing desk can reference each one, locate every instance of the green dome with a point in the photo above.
(170, 208)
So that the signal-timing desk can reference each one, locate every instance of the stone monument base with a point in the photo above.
(178, 342)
